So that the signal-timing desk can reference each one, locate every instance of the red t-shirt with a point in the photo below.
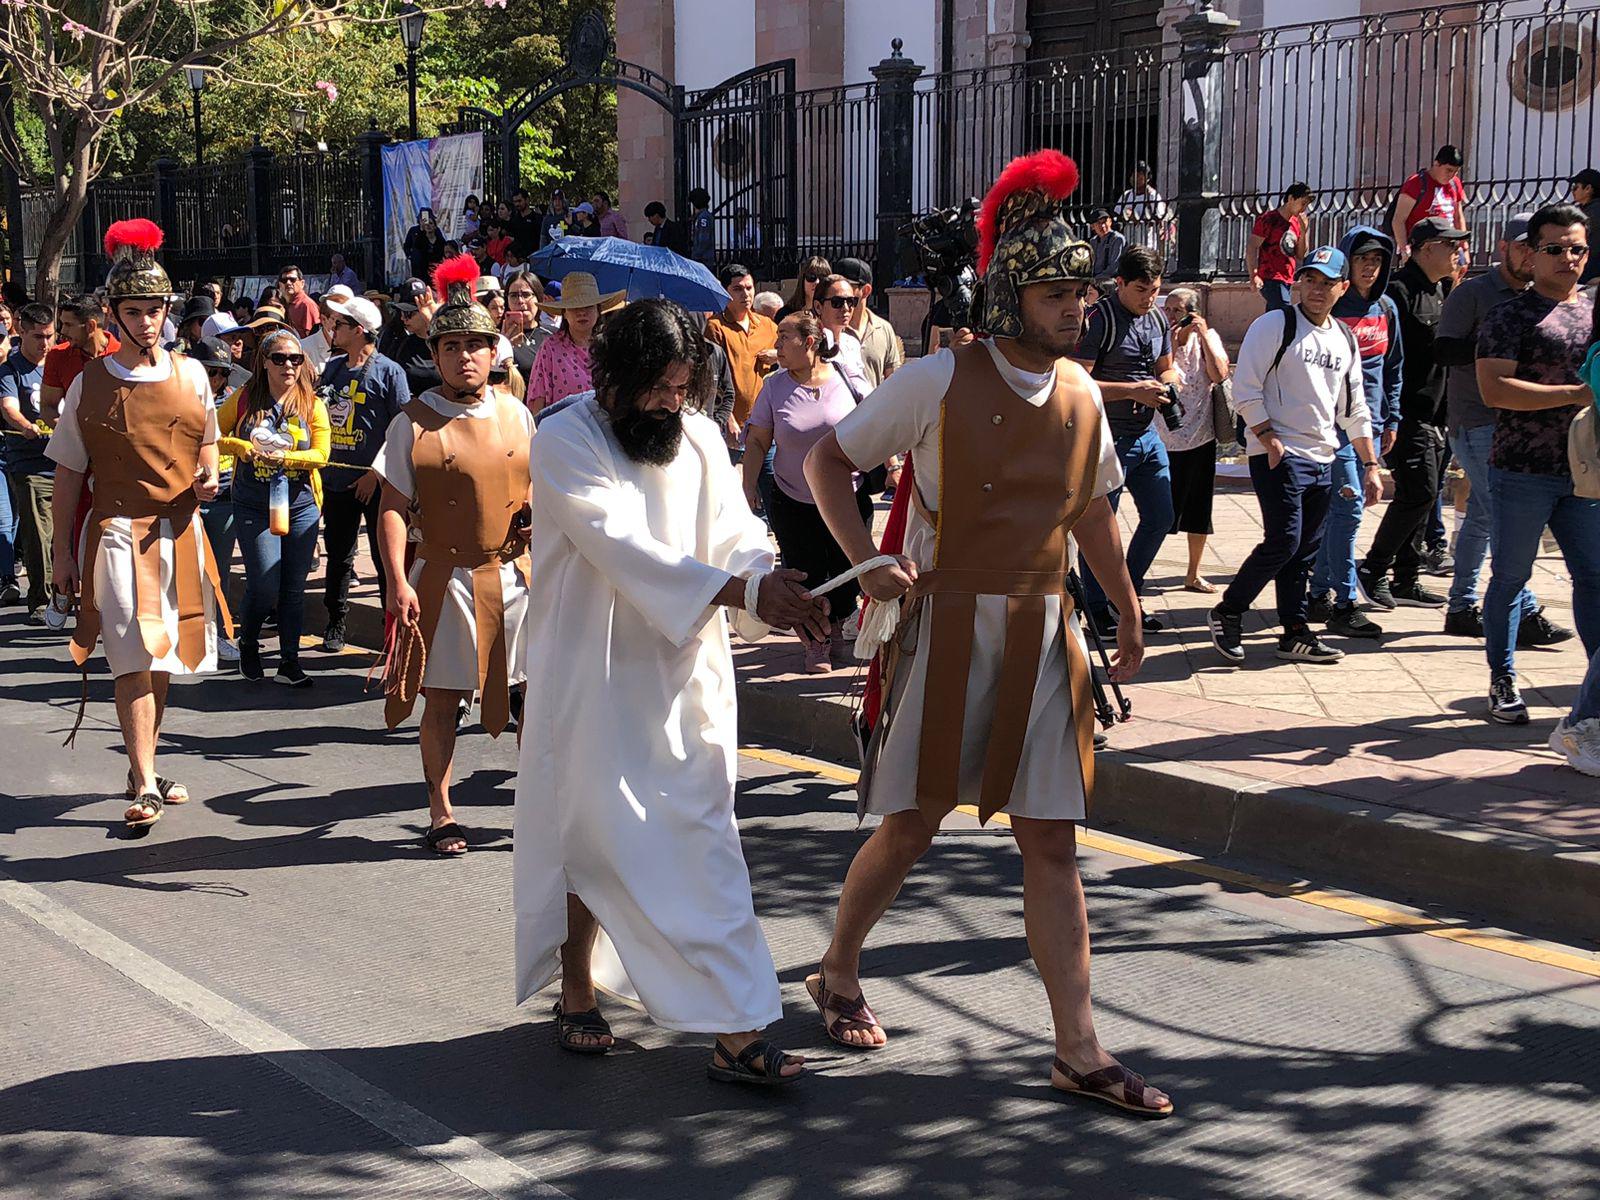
(1280, 239)
(64, 362)
(1433, 199)
(302, 314)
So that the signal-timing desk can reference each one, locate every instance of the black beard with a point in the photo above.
(651, 438)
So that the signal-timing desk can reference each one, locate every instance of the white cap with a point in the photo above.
(338, 292)
(360, 310)
(219, 325)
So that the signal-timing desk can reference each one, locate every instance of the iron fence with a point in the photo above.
(318, 205)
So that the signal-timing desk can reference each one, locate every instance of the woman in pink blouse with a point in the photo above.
(561, 368)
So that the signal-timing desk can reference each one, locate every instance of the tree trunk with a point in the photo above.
(57, 233)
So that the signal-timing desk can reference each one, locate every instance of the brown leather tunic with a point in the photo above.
(1013, 480)
(144, 441)
(471, 482)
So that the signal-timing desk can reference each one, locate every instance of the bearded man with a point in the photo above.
(454, 464)
(641, 543)
(988, 695)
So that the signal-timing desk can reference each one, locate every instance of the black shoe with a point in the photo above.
(35, 616)
(1321, 609)
(1301, 645)
(1414, 595)
(1375, 588)
(1505, 702)
(291, 675)
(1350, 621)
(517, 698)
(1105, 622)
(1437, 560)
(1153, 624)
(10, 593)
(250, 659)
(333, 637)
(1538, 630)
(1467, 622)
(1100, 740)
(463, 711)
(1227, 634)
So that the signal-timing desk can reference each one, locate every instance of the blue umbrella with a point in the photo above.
(643, 271)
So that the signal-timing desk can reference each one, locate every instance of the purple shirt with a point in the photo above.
(798, 415)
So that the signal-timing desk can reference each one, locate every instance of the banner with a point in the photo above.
(437, 173)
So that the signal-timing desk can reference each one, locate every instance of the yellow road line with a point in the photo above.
(1568, 960)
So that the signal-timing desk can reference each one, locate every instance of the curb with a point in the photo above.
(1526, 882)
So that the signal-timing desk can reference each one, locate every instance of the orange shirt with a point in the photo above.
(64, 362)
(743, 345)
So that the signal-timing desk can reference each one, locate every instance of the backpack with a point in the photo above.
(1394, 201)
(1109, 338)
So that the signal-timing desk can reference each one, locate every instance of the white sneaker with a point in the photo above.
(1579, 744)
(59, 611)
(851, 629)
(227, 651)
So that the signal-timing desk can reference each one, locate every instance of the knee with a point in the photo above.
(1051, 845)
(906, 835)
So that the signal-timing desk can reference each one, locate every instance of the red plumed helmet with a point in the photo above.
(1026, 187)
(137, 234)
(463, 268)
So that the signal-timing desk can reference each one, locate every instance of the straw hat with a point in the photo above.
(579, 290)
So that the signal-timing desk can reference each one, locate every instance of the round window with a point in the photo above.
(1553, 68)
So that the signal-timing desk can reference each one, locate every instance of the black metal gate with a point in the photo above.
(737, 141)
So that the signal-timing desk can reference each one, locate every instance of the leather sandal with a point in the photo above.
(853, 1014)
(726, 1067)
(171, 792)
(1114, 1085)
(571, 1028)
(148, 800)
(443, 834)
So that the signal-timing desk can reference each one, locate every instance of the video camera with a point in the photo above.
(942, 247)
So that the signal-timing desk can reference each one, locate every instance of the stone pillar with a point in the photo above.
(809, 31)
(896, 76)
(1009, 38)
(1200, 140)
(646, 168)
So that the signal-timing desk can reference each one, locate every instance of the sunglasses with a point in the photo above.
(345, 323)
(286, 360)
(1556, 250)
(815, 278)
(843, 301)
(288, 279)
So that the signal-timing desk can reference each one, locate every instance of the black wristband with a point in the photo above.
(1369, 466)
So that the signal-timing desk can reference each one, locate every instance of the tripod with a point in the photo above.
(1109, 713)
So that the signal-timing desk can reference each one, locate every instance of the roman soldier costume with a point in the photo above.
(986, 685)
(141, 439)
(465, 468)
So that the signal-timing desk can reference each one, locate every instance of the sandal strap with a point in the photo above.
(445, 833)
(1107, 1078)
(772, 1059)
(589, 1021)
(854, 1011)
(149, 800)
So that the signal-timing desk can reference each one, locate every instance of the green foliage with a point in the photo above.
(475, 56)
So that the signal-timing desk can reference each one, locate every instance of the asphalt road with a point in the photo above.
(277, 993)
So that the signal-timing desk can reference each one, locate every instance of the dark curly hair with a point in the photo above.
(633, 348)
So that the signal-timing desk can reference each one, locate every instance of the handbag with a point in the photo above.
(1583, 453)
(1222, 417)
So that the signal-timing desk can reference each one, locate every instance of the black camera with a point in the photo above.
(942, 247)
(1173, 411)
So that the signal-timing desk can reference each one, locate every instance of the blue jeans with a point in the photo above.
(1148, 477)
(1471, 450)
(1294, 506)
(8, 531)
(1523, 505)
(1335, 569)
(1587, 706)
(275, 570)
(217, 518)
(1276, 293)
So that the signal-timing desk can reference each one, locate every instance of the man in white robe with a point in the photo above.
(641, 539)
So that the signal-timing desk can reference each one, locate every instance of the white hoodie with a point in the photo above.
(1316, 386)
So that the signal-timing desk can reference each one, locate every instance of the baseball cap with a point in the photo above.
(585, 207)
(404, 307)
(1516, 229)
(338, 291)
(360, 310)
(1098, 214)
(214, 356)
(854, 270)
(1589, 177)
(1325, 260)
(1431, 229)
(219, 325)
(412, 289)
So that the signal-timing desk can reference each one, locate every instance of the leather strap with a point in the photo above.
(1019, 673)
(944, 705)
(488, 610)
(433, 583)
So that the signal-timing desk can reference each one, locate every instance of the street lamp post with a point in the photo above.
(196, 75)
(412, 20)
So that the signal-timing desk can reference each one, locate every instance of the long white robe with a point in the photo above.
(629, 741)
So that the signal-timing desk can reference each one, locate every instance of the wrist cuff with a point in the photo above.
(752, 592)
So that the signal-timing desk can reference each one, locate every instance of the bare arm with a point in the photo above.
(1500, 390)
(64, 513)
(1167, 371)
(1252, 257)
(756, 442)
(829, 471)
(1216, 364)
(1100, 542)
(1402, 210)
(50, 402)
(392, 524)
(11, 408)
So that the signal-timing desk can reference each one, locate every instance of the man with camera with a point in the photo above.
(1297, 382)
(1127, 349)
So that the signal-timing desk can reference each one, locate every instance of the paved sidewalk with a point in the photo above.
(1395, 732)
